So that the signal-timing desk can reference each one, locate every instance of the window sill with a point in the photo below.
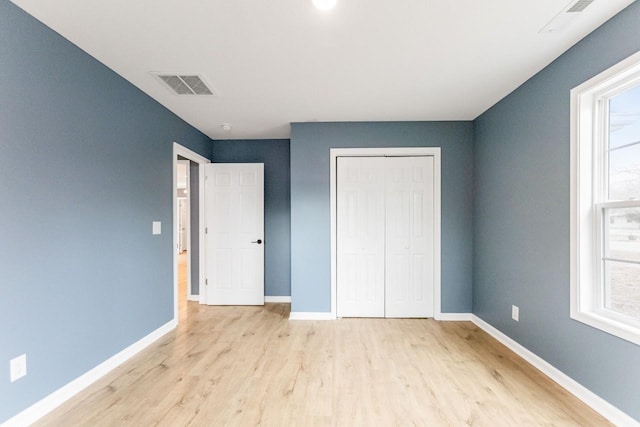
(609, 325)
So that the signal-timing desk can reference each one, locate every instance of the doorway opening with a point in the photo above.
(183, 246)
(188, 228)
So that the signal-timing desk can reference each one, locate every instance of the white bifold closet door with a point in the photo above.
(385, 229)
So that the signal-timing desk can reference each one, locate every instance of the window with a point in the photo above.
(605, 201)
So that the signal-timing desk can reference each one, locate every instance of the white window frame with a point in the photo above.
(589, 138)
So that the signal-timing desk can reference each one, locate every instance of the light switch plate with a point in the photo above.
(515, 313)
(157, 227)
(18, 367)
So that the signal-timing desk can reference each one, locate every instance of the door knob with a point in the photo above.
(258, 242)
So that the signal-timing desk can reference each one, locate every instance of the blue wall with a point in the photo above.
(85, 167)
(310, 213)
(277, 203)
(521, 219)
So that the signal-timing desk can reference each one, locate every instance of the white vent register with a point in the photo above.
(184, 84)
(579, 6)
(564, 18)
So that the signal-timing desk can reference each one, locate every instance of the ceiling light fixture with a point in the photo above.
(324, 4)
(226, 127)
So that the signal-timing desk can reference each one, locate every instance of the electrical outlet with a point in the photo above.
(515, 313)
(18, 367)
(156, 227)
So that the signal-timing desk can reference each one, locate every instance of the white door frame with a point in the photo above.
(179, 150)
(334, 153)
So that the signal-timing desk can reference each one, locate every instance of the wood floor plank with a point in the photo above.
(246, 366)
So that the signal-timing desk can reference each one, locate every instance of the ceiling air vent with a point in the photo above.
(185, 84)
(562, 20)
(579, 6)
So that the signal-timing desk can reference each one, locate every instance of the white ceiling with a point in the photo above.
(273, 62)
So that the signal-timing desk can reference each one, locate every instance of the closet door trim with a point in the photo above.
(334, 153)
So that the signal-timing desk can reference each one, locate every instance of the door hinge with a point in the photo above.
(206, 282)
(206, 230)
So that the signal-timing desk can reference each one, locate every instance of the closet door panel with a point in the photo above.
(360, 236)
(409, 249)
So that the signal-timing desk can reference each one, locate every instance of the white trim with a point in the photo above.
(454, 317)
(301, 315)
(334, 153)
(594, 401)
(620, 204)
(277, 299)
(195, 298)
(587, 199)
(58, 397)
(179, 150)
(202, 271)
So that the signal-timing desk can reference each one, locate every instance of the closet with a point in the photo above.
(385, 236)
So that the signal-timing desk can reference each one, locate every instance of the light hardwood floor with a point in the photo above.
(246, 366)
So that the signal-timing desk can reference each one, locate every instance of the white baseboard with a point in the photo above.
(301, 315)
(604, 408)
(454, 317)
(195, 298)
(277, 299)
(58, 397)
(445, 317)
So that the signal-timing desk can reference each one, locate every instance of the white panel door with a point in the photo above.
(409, 237)
(360, 236)
(234, 211)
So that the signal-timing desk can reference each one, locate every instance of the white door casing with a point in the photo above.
(361, 236)
(179, 150)
(234, 214)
